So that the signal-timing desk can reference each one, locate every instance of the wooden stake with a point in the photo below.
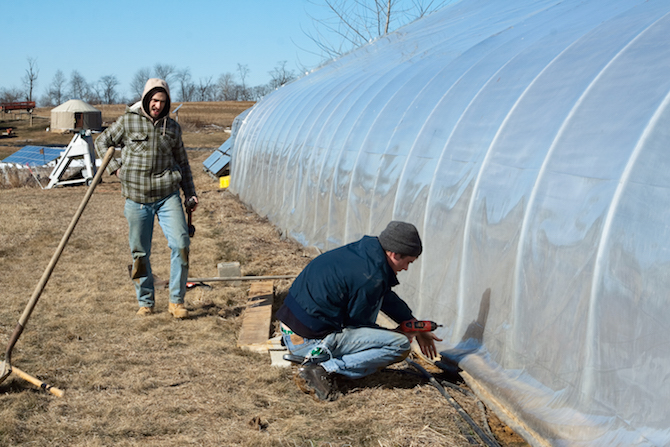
(255, 330)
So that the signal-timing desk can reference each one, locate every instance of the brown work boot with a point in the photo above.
(315, 381)
(178, 310)
(145, 311)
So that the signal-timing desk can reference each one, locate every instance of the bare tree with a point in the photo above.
(243, 70)
(354, 23)
(259, 91)
(94, 93)
(56, 91)
(12, 94)
(165, 72)
(79, 88)
(205, 89)
(140, 78)
(30, 78)
(226, 87)
(107, 89)
(280, 75)
(186, 87)
(423, 7)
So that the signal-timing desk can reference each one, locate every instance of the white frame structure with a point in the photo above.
(529, 142)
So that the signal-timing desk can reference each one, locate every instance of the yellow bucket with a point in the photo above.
(224, 181)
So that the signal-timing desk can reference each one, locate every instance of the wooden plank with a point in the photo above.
(257, 317)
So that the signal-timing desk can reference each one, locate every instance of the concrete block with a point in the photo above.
(277, 352)
(229, 269)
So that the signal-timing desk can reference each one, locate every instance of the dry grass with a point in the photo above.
(204, 125)
(25, 134)
(156, 381)
(191, 114)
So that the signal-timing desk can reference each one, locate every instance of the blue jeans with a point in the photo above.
(171, 218)
(353, 352)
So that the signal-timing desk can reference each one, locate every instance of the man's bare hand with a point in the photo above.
(426, 342)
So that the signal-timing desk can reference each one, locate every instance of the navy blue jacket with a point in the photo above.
(344, 287)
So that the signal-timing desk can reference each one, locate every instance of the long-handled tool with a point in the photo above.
(6, 366)
(190, 204)
(37, 382)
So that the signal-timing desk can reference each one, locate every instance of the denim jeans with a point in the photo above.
(353, 352)
(171, 218)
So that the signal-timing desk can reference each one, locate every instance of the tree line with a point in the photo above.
(228, 86)
(348, 24)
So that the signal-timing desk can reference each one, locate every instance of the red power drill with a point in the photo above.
(418, 326)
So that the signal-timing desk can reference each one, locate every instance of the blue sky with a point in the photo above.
(120, 37)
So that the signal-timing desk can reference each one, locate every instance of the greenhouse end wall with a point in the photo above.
(528, 141)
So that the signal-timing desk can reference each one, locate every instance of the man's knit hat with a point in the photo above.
(402, 238)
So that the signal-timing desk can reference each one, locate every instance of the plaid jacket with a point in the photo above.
(153, 160)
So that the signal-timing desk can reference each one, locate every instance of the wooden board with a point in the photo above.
(257, 317)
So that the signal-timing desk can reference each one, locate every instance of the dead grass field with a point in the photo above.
(204, 124)
(157, 381)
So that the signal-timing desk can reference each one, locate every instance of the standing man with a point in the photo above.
(152, 168)
(331, 309)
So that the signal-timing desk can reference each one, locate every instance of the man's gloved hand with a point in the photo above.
(191, 203)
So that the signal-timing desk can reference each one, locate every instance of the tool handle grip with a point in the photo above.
(418, 326)
(37, 382)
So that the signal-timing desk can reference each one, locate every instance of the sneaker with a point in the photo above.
(316, 381)
(178, 310)
(144, 311)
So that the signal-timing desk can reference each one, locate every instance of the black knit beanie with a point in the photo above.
(402, 238)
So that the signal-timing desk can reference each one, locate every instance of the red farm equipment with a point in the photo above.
(7, 107)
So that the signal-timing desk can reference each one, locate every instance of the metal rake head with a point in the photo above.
(5, 371)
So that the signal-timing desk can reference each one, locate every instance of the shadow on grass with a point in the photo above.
(389, 378)
(18, 386)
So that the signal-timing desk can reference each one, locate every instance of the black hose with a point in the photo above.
(460, 389)
(480, 405)
(486, 439)
(485, 421)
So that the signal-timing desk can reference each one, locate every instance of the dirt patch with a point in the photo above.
(157, 381)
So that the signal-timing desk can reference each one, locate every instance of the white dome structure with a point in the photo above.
(529, 142)
(75, 114)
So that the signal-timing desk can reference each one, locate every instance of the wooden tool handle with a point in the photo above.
(37, 382)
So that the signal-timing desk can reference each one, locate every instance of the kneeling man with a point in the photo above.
(331, 309)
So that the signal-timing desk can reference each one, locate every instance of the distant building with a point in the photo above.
(75, 114)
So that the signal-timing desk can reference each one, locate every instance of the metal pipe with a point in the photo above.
(240, 278)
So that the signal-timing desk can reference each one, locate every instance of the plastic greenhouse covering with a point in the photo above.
(529, 141)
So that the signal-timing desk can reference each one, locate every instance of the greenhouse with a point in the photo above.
(526, 140)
